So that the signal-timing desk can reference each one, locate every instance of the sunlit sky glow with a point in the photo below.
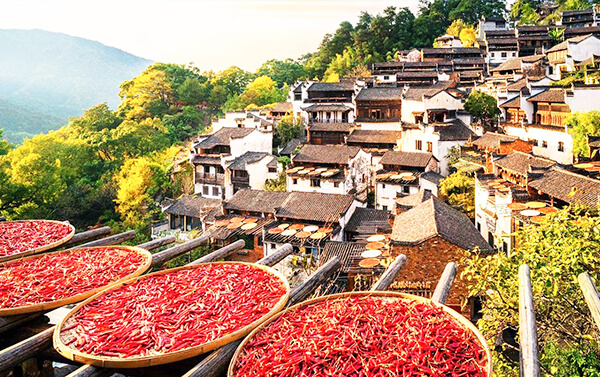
(213, 34)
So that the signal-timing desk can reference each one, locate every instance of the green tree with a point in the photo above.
(582, 125)
(278, 184)
(458, 189)
(192, 92)
(5, 146)
(482, 106)
(288, 128)
(262, 91)
(282, 71)
(189, 122)
(564, 245)
(146, 96)
(234, 80)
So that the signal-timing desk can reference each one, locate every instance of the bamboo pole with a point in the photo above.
(162, 257)
(442, 289)
(219, 254)
(590, 293)
(390, 274)
(88, 235)
(159, 242)
(527, 327)
(112, 240)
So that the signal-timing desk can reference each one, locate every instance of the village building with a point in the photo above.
(490, 24)
(482, 150)
(563, 57)
(430, 104)
(501, 45)
(334, 169)
(375, 142)
(400, 176)
(448, 40)
(366, 222)
(329, 133)
(213, 153)
(292, 146)
(250, 170)
(326, 102)
(404, 203)
(279, 110)
(243, 119)
(190, 212)
(379, 108)
(578, 19)
(533, 40)
(431, 235)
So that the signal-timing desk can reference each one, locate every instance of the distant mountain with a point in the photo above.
(46, 77)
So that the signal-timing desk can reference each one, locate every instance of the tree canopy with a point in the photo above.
(580, 126)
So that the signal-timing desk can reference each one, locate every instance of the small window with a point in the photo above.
(503, 54)
(429, 146)
(479, 226)
(315, 182)
(514, 54)
(406, 189)
(336, 184)
(205, 190)
(386, 77)
(384, 208)
(295, 181)
(418, 145)
(383, 185)
(492, 54)
(297, 96)
(272, 170)
(215, 191)
(561, 146)
(544, 144)
(534, 142)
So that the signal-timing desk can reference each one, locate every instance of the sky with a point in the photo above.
(212, 34)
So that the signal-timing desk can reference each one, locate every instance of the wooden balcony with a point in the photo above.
(214, 179)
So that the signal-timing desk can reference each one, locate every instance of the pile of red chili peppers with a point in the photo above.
(20, 236)
(55, 276)
(363, 336)
(169, 312)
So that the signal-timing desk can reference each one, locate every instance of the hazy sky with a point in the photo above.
(213, 34)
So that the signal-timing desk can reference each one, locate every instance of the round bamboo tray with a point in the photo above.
(458, 317)
(164, 358)
(81, 296)
(39, 249)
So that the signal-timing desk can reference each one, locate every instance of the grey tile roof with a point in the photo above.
(348, 252)
(374, 137)
(417, 74)
(380, 94)
(564, 45)
(435, 218)
(522, 163)
(331, 127)
(256, 201)
(206, 159)
(418, 93)
(413, 200)
(368, 221)
(549, 95)
(454, 130)
(408, 159)
(432, 176)
(512, 103)
(193, 206)
(248, 158)
(491, 140)
(292, 145)
(569, 187)
(325, 154)
(223, 137)
(344, 85)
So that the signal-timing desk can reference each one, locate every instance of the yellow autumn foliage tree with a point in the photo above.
(147, 95)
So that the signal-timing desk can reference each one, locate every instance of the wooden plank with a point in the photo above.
(527, 328)
(442, 289)
(88, 235)
(590, 293)
(216, 363)
(8, 323)
(159, 242)
(277, 256)
(219, 254)
(112, 240)
(25, 349)
(390, 274)
(162, 257)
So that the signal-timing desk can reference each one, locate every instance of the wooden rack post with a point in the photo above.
(390, 274)
(112, 240)
(590, 293)
(442, 289)
(219, 254)
(527, 330)
(88, 235)
(162, 257)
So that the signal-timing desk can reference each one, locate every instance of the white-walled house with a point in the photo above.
(242, 119)
(436, 138)
(324, 102)
(250, 170)
(399, 174)
(563, 57)
(429, 104)
(332, 169)
(213, 153)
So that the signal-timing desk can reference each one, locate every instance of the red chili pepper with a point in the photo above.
(55, 276)
(176, 310)
(363, 336)
(20, 236)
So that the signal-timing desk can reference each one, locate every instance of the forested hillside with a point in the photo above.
(47, 77)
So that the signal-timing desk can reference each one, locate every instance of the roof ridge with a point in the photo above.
(563, 170)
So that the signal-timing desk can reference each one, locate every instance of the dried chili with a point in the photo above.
(55, 276)
(20, 236)
(363, 336)
(168, 312)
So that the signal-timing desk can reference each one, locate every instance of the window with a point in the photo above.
(514, 54)
(406, 189)
(503, 54)
(561, 146)
(295, 181)
(534, 142)
(315, 182)
(429, 146)
(492, 54)
(491, 239)
(418, 145)
(297, 96)
(272, 170)
(478, 226)
(383, 185)
(336, 184)
(386, 77)
(384, 208)
(215, 191)
(544, 144)
(205, 190)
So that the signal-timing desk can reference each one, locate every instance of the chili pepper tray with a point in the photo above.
(82, 296)
(71, 353)
(458, 317)
(41, 248)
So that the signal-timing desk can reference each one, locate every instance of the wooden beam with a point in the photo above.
(442, 289)
(219, 254)
(90, 371)
(390, 274)
(527, 328)
(88, 235)
(216, 363)
(590, 293)
(7, 323)
(112, 240)
(277, 256)
(159, 242)
(162, 257)
(25, 349)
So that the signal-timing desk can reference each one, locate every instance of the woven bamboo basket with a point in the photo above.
(82, 296)
(457, 316)
(161, 358)
(40, 248)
